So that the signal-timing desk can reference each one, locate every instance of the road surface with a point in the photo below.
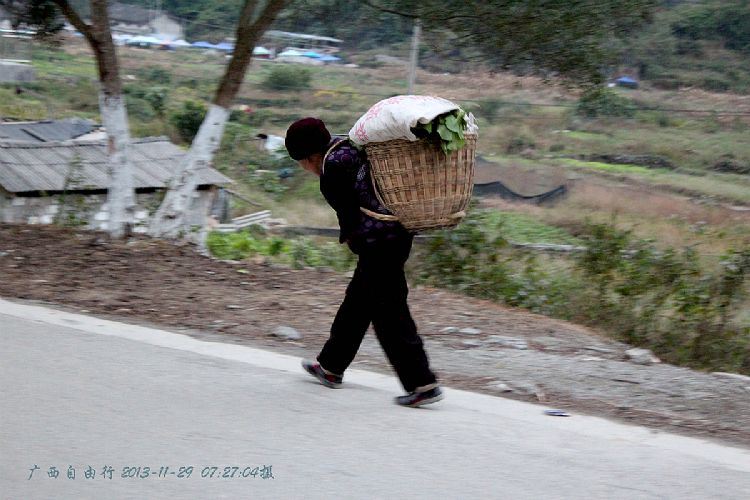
(82, 394)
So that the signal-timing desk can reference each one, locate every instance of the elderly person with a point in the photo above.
(378, 291)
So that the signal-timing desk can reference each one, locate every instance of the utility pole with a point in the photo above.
(414, 55)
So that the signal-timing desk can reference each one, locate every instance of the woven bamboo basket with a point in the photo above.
(422, 186)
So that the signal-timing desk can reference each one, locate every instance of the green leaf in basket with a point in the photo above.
(427, 126)
(452, 123)
(445, 133)
(462, 120)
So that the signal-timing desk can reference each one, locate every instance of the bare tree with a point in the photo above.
(121, 194)
(171, 219)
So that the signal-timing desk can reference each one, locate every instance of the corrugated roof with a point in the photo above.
(300, 36)
(45, 131)
(28, 167)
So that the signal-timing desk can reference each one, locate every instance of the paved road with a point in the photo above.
(80, 391)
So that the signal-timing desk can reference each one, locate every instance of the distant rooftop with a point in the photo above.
(45, 131)
(301, 36)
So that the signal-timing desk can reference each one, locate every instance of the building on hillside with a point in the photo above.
(5, 23)
(135, 20)
(15, 56)
(49, 131)
(283, 40)
(42, 183)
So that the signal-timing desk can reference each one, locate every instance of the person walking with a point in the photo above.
(377, 293)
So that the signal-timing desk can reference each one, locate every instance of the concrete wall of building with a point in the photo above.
(162, 25)
(90, 210)
(165, 25)
(16, 72)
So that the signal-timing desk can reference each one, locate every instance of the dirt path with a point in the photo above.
(506, 352)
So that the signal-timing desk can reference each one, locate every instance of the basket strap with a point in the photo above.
(375, 215)
(377, 193)
(330, 150)
(390, 218)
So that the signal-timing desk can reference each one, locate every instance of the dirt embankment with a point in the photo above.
(473, 344)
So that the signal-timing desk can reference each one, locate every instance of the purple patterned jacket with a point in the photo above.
(346, 185)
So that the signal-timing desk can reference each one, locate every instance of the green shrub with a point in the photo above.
(688, 47)
(371, 63)
(489, 109)
(269, 182)
(191, 83)
(667, 83)
(660, 299)
(157, 98)
(664, 300)
(232, 246)
(140, 109)
(716, 84)
(283, 77)
(601, 101)
(297, 252)
(84, 96)
(253, 118)
(187, 120)
(156, 74)
(474, 259)
(519, 143)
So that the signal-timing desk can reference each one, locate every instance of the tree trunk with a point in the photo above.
(121, 194)
(172, 219)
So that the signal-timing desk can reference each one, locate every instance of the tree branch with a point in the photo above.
(266, 18)
(248, 34)
(72, 16)
(389, 11)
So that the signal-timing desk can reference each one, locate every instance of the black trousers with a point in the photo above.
(377, 294)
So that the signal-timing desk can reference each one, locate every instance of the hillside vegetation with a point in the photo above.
(700, 44)
(662, 174)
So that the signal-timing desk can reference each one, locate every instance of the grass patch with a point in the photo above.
(614, 168)
(523, 228)
(727, 187)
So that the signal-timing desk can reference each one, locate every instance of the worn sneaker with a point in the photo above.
(325, 378)
(415, 399)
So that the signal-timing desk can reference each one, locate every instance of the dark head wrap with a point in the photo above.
(306, 137)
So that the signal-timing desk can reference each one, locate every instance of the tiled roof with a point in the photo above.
(26, 167)
(45, 131)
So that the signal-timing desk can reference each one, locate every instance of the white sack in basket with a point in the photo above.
(394, 117)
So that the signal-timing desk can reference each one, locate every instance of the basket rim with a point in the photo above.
(467, 137)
